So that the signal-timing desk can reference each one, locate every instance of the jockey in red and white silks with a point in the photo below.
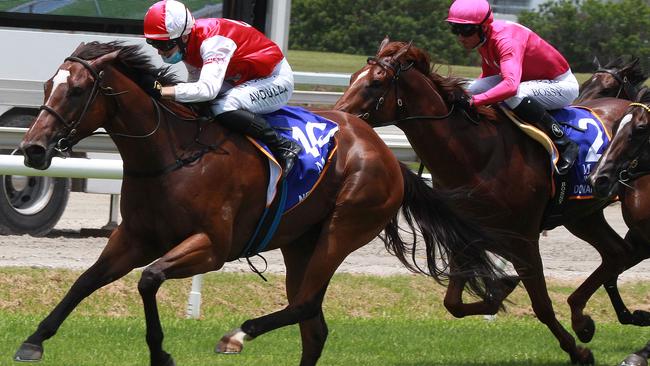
(233, 61)
(518, 68)
(229, 63)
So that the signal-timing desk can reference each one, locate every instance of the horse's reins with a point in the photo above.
(396, 68)
(63, 144)
(628, 174)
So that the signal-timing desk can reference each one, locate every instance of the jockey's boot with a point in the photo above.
(251, 124)
(532, 111)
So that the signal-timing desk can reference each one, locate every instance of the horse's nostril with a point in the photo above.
(34, 155)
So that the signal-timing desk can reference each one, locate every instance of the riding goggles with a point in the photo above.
(162, 45)
(464, 30)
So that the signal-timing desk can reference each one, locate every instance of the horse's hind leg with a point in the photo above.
(502, 287)
(313, 332)
(118, 258)
(615, 254)
(530, 269)
(347, 230)
(193, 256)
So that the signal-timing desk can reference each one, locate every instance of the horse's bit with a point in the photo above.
(396, 68)
(627, 174)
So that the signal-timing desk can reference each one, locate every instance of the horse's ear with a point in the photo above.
(383, 44)
(596, 62)
(100, 62)
(632, 63)
(78, 48)
(402, 51)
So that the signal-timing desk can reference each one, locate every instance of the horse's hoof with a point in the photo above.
(641, 318)
(232, 343)
(29, 352)
(583, 357)
(229, 346)
(634, 360)
(586, 332)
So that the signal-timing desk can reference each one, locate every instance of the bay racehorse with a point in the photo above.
(193, 192)
(508, 172)
(624, 170)
(617, 79)
(621, 79)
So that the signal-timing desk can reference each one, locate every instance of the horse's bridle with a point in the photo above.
(396, 68)
(63, 144)
(624, 83)
(629, 174)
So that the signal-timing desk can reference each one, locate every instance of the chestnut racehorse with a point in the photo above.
(193, 193)
(508, 172)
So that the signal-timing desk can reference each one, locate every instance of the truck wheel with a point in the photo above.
(31, 205)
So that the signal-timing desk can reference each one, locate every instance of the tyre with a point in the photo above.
(30, 205)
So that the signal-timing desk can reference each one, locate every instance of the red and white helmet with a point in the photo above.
(167, 19)
(470, 12)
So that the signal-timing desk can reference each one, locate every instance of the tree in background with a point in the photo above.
(582, 30)
(357, 27)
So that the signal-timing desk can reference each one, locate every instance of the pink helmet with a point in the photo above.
(470, 12)
(167, 20)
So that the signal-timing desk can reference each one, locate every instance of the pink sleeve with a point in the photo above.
(511, 55)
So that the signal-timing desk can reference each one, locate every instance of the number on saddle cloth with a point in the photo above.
(315, 134)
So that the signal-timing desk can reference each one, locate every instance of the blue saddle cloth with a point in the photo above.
(315, 134)
(589, 133)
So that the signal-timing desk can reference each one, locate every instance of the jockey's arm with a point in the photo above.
(511, 64)
(216, 53)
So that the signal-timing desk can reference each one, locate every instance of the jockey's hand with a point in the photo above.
(151, 85)
(459, 98)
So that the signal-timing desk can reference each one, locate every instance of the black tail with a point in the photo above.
(447, 236)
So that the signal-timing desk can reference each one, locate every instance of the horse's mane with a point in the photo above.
(633, 69)
(133, 62)
(446, 85)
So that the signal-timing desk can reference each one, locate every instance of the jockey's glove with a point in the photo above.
(151, 85)
(462, 100)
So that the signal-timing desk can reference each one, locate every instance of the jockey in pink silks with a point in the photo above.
(230, 64)
(518, 68)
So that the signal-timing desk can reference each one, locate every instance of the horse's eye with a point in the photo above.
(375, 84)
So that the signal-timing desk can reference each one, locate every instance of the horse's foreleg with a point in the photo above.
(118, 258)
(641, 252)
(615, 254)
(193, 256)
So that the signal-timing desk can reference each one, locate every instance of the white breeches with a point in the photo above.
(263, 95)
(552, 94)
